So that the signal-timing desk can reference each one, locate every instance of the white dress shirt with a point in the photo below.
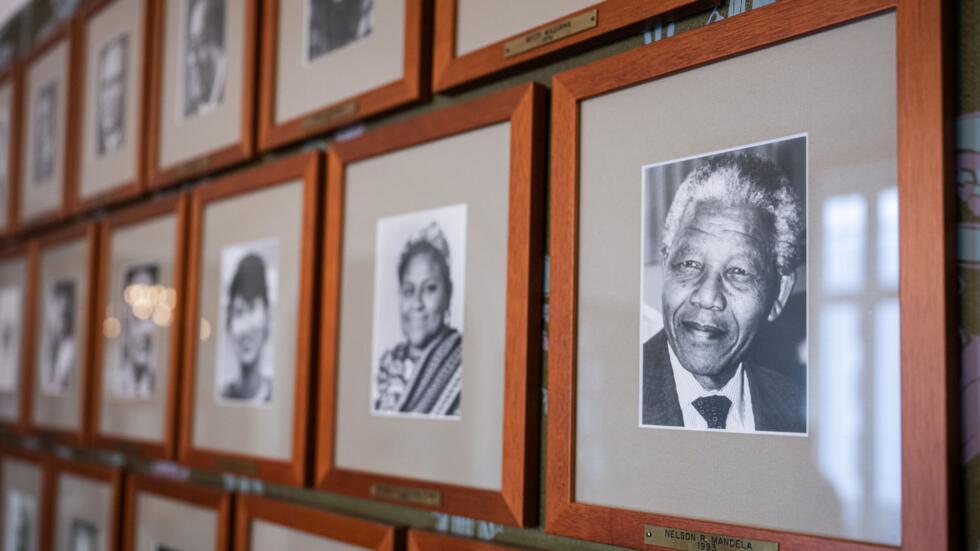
(740, 417)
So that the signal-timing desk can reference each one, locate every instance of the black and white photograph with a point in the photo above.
(59, 355)
(135, 376)
(333, 24)
(11, 303)
(204, 58)
(723, 327)
(45, 143)
(111, 95)
(83, 536)
(20, 522)
(417, 337)
(246, 319)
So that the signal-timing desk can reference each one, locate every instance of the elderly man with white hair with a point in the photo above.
(733, 238)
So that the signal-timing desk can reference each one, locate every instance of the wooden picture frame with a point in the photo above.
(89, 233)
(515, 503)
(12, 75)
(66, 145)
(45, 499)
(305, 168)
(602, 22)
(201, 496)
(159, 174)
(173, 205)
(314, 522)
(410, 87)
(928, 354)
(80, 101)
(25, 378)
(110, 475)
(419, 540)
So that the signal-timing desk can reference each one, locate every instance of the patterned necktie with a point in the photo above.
(714, 409)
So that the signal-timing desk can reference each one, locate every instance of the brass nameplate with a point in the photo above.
(342, 111)
(199, 165)
(547, 35)
(418, 496)
(235, 465)
(689, 540)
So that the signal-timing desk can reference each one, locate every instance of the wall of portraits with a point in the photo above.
(453, 274)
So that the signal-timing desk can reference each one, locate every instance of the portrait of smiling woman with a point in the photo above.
(245, 348)
(418, 340)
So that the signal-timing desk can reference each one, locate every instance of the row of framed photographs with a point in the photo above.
(51, 503)
(739, 343)
(132, 95)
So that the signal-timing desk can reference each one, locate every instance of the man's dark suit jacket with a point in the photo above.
(778, 402)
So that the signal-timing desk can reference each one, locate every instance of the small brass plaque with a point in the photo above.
(689, 540)
(547, 35)
(199, 165)
(342, 111)
(235, 465)
(418, 496)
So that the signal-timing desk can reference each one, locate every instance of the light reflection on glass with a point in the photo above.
(205, 330)
(859, 379)
(888, 238)
(111, 328)
(151, 302)
(844, 232)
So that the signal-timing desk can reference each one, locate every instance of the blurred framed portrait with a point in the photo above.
(474, 40)
(25, 478)
(439, 324)
(263, 523)
(247, 338)
(734, 309)
(16, 286)
(137, 348)
(42, 190)
(10, 119)
(169, 515)
(107, 161)
(201, 89)
(87, 504)
(329, 63)
(65, 263)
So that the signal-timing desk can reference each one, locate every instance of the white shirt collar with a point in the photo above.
(740, 415)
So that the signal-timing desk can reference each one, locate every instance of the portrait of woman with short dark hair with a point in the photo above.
(59, 357)
(245, 353)
(419, 370)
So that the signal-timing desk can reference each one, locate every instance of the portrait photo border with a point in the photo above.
(68, 145)
(25, 377)
(46, 499)
(930, 389)
(90, 233)
(178, 206)
(104, 473)
(615, 18)
(194, 494)
(307, 167)
(411, 87)
(136, 185)
(223, 156)
(524, 107)
(315, 522)
(13, 74)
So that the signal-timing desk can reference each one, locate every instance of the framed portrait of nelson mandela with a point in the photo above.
(140, 296)
(247, 339)
(438, 326)
(329, 63)
(41, 192)
(725, 309)
(64, 263)
(202, 87)
(113, 38)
